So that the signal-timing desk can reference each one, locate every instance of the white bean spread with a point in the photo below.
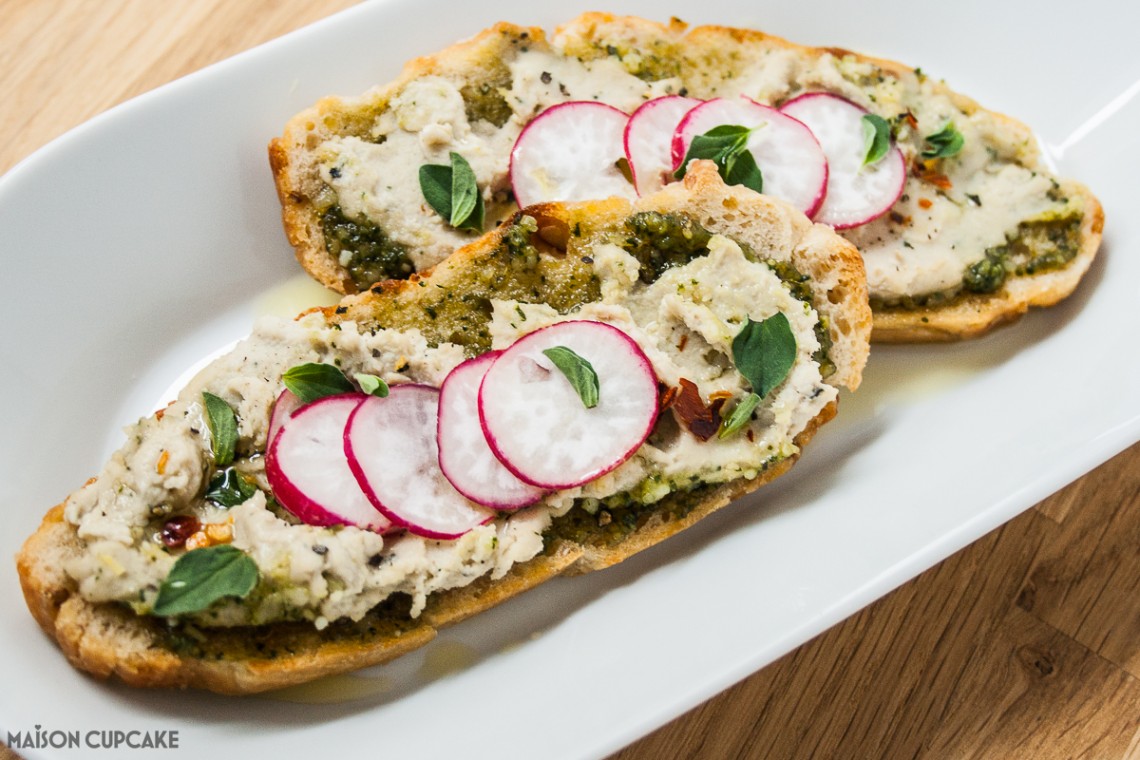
(685, 322)
(953, 213)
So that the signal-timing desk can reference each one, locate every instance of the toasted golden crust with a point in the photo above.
(109, 640)
(704, 58)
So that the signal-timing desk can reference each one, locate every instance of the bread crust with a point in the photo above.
(963, 316)
(110, 641)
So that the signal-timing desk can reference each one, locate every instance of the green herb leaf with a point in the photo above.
(741, 414)
(223, 428)
(876, 138)
(203, 576)
(764, 352)
(715, 145)
(466, 200)
(578, 371)
(944, 143)
(454, 193)
(435, 183)
(229, 488)
(312, 381)
(742, 170)
(727, 147)
(371, 384)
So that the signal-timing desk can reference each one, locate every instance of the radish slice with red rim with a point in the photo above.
(538, 425)
(309, 473)
(392, 450)
(856, 193)
(284, 407)
(790, 158)
(649, 140)
(465, 457)
(570, 152)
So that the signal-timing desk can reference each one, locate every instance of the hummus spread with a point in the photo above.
(685, 321)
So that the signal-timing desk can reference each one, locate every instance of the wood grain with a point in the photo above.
(1012, 648)
(1024, 645)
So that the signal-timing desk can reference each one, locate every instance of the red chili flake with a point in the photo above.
(702, 420)
(158, 415)
(925, 203)
(924, 171)
(684, 341)
(177, 529)
(941, 181)
(669, 396)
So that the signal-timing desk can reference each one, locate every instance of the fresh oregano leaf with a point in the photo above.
(466, 200)
(454, 193)
(203, 576)
(435, 184)
(578, 371)
(764, 352)
(223, 428)
(742, 170)
(876, 138)
(312, 381)
(229, 488)
(944, 143)
(727, 147)
(714, 145)
(371, 384)
(741, 414)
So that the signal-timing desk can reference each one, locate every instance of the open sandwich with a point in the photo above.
(961, 225)
(566, 390)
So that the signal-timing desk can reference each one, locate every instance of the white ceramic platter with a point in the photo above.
(155, 230)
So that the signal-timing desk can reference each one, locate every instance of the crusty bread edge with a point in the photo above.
(109, 641)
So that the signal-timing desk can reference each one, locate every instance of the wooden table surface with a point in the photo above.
(1024, 645)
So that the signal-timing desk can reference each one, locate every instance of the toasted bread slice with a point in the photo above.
(346, 169)
(820, 272)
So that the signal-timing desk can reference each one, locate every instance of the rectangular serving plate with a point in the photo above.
(150, 237)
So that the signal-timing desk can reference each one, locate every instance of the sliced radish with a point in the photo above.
(392, 450)
(791, 160)
(537, 424)
(649, 140)
(309, 473)
(856, 194)
(284, 407)
(570, 152)
(465, 457)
